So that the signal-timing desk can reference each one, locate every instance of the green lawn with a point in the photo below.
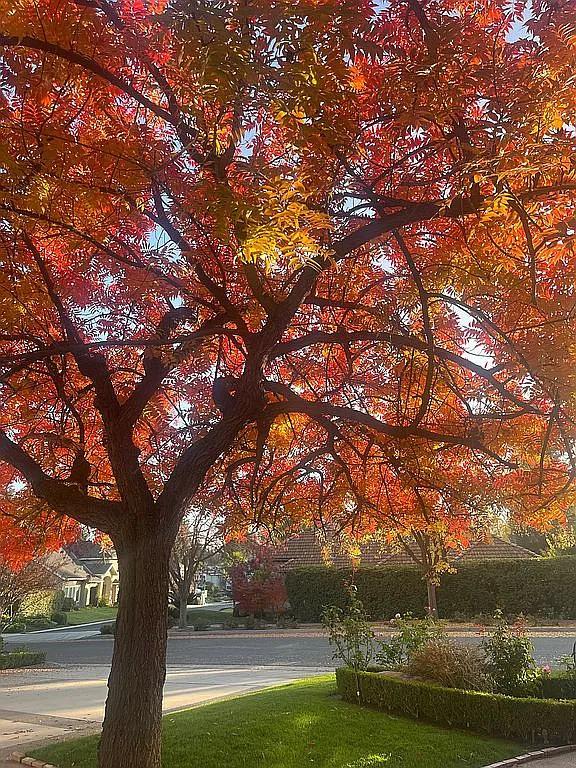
(216, 617)
(297, 725)
(87, 615)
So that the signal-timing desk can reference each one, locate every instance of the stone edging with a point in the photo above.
(538, 754)
(20, 757)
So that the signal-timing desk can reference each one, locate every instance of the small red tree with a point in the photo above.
(257, 585)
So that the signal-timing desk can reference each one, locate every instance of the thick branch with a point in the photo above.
(61, 497)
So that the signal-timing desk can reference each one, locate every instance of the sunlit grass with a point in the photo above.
(296, 725)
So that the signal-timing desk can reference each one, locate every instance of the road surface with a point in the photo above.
(40, 704)
(300, 647)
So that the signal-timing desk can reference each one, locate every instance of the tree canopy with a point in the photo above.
(330, 245)
(306, 259)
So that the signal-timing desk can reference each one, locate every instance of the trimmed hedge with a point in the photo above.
(538, 721)
(18, 659)
(543, 588)
(558, 687)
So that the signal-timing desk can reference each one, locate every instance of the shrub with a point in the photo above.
(231, 622)
(201, 625)
(539, 588)
(67, 604)
(39, 622)
(14, 627)
(561, 685)
(558, 687)
(509, 658)
(21, 658)
(287, 622)
(349, 632)
(412, 634)
(450, 664)
(59, 618)
(540, 721)
(252, 622)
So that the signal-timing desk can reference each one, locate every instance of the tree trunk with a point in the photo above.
(131, 733)
(184, 591)
(432, 601)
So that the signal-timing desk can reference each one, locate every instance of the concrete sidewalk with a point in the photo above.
(41, 704)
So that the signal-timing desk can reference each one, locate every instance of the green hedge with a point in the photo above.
(544, 588)
(538, 721)
(18, 659)
(558, 687)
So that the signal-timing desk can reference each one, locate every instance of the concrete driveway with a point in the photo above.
(39, 704)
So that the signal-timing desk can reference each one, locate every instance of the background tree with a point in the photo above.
(436, 516)
(19, 582)
(24, 538)
(257, 584)
(283, 252)
(199, 538)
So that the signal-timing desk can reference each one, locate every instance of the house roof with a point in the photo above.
(309, 549)
(84, 549)
(63, 567)
(495, 549)
(97, 567)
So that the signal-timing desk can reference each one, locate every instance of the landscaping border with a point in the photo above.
(20, 757)
(529, 757)
(533, 721)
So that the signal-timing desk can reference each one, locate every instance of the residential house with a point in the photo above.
(101, 567)
(85, 573)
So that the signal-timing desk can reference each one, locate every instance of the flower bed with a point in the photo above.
(531, 720)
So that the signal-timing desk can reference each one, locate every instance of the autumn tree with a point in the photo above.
(200, 537)
(284, 252)
(19, 582)
(24, 540)
(442, 506)
(257, 585)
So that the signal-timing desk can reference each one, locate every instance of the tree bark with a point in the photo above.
(432, 600)
(131, 733)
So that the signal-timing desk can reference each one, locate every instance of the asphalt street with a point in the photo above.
(61, 702)
(290, 647)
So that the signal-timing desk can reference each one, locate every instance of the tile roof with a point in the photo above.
(495, 549)
(310, 549)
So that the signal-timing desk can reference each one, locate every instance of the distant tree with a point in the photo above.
(199, 538)
(257, 585)
(18, 583)
(24, 539)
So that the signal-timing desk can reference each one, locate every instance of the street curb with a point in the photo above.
(539, 754)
